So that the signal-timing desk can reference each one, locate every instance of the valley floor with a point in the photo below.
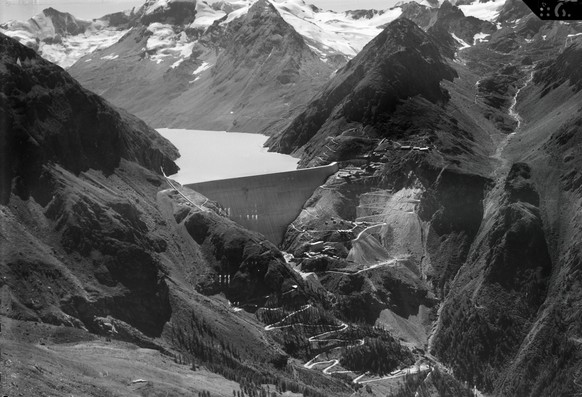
(42, 360)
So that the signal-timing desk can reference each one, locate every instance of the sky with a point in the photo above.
(88, 9)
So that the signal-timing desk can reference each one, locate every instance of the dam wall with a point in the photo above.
(266, 203)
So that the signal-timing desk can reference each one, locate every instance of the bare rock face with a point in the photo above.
(452, 19)
(256, 267)
(64, 22)
(174, 13)
(512, 263)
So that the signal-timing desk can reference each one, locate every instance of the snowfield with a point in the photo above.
(165, 43)
(488, 11)
(327, 33)
(62, 50)
(333, 31)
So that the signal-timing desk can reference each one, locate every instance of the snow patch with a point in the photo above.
(481, 38)
(165, 43)
(201, 68)
(205, 15)
(488, 11)
(333, 32)
(110, 57)
(462, 42)
(239, 12)
(177, 63)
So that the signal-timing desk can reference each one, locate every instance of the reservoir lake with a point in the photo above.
(212, 155)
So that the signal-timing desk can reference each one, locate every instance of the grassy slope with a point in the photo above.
(42, 359)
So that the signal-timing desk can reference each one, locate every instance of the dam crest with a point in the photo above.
(266, 203)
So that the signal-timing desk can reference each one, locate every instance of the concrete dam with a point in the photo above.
(266, 203)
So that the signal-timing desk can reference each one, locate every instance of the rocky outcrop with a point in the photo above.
(513, 10)
(255, 267)
(178, 13)
(510, 267)
(64, 23)
(418, 13)
(452, 19)
(368, 14)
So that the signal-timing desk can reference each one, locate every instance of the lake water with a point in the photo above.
(211, 155)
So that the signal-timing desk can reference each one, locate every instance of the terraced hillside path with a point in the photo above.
(333, 362)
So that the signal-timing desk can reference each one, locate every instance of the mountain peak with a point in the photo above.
(400, 63)
(174, 12)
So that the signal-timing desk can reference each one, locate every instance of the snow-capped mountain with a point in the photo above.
(218, 65)
(246, 65)
(326, 32)
(180, 51)
(242, 73)
(61, 38)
